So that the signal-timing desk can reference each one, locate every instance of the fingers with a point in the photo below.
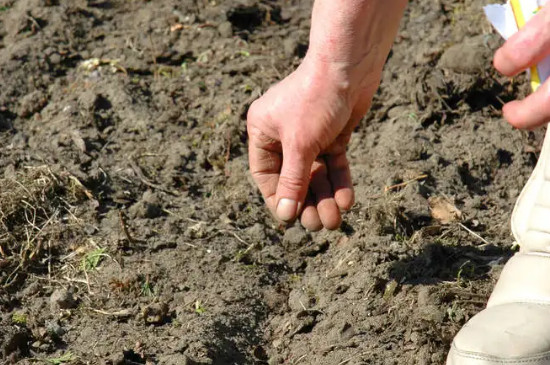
(530, 112)
(527, 47)
(293, 181)
(310, 217)
(332, 191)
(265, 163)
(328, 210)
(284, 188)
(340, 178)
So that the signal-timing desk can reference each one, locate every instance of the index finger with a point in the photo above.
(527, 47)
(265, 167)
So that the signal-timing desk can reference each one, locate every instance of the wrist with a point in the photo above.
(352, 38)
(321, 74)
(347, 78)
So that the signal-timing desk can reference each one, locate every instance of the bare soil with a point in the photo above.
(131, 233)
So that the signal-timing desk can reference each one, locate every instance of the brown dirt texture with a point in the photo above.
(131, 232)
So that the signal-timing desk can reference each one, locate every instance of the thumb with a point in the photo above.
(293, 182)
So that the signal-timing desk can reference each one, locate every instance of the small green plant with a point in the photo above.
(401, 238)
(465, 272)
(390, 290)
(4, 8)
(455, 313)
(240, 255)
(19, 318)
(176, 323)
(166, 72)
(147, 289)
(65, 358)
(247, 88)
(243, 53)
(199, 307)
(294, 278)
(92, 259)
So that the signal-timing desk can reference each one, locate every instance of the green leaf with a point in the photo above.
(92, 259)
(65, 358)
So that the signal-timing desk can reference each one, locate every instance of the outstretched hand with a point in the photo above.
(299, 130)
(523, 50)
(298, 134)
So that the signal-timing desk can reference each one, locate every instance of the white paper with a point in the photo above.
(503, 20)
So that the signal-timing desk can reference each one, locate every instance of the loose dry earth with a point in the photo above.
(131, 233)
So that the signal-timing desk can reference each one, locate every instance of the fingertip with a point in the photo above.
(287, 209)
(501, 64)
(340, 178)
(510, 114)
(310, 219)
(329, 214)
(345, 198)
(334, 223)
(531, 112)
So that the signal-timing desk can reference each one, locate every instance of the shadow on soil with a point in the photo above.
(438, 262)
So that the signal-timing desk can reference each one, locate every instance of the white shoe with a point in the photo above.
(515, 326)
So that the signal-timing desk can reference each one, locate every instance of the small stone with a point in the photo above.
(55, 59)
(432, 313)
(226, 29)
(275, 301)
(424, 298)
(148, 207)
(32, 289)
(62, 299)
(295, 236)
(156, 313)
(31, 103)
(55, 329)
(9, 172)
(347, 332)
(298, 300)
(257, 232)
(468, 57)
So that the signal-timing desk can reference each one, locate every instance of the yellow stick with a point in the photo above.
(520, 20)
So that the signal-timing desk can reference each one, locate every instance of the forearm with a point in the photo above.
(354, 36)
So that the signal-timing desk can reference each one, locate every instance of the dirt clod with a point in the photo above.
(295, 237)
(62, 299)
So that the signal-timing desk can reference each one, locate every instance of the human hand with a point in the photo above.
(523, 50)
(298, 133)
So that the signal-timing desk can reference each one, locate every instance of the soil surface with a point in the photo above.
(131, 232)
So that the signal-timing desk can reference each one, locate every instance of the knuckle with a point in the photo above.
(293, 182)
(253, 112)
(522, 49)
(339, 162)
(303, 143)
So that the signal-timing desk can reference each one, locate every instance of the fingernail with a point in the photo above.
(286, 209)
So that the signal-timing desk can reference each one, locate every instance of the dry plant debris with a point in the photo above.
(35, 210)
(444, 211)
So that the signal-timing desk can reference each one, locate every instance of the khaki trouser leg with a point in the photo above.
(515, 326)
